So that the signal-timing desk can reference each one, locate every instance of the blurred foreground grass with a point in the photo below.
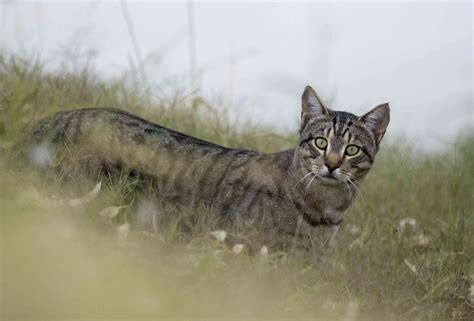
(404, 253)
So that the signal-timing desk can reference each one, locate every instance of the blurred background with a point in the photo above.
(256, 57)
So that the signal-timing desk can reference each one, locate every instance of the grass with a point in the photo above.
(404, 252)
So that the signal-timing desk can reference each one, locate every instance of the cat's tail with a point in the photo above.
(37, 147)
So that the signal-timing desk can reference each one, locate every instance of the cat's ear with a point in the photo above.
(311, 106)
(377, 120)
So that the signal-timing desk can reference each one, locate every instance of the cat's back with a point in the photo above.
(111, 137)
(111, 124)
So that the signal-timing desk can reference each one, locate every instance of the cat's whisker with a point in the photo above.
(309, 184)
(348, 178)
(347, 185)
(302, 179)
(352, 181)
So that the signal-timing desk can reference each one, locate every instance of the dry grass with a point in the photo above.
(404, 253)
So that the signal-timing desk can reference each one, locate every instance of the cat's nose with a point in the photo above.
(331, 167)
(332, 161)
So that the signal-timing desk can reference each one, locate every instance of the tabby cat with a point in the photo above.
(281, 195)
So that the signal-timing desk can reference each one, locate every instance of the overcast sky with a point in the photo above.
(259, 56)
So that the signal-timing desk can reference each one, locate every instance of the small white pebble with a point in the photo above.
(220, 235)
(238, 248)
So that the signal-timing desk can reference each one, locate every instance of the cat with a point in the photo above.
(282, 195)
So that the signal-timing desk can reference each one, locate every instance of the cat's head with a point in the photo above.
(338, 146)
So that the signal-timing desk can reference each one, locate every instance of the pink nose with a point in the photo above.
(332, 161)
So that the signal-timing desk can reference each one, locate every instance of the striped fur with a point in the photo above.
(282, 194)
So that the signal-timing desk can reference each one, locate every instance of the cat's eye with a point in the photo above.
(321, 142)
(351, 150)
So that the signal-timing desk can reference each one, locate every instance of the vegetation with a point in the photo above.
(404, 253)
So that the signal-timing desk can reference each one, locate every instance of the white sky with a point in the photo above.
(259, 56)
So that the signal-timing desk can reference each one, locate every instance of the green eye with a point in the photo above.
(321, 142)
(351, 150)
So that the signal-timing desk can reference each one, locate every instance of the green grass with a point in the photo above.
(63, 262)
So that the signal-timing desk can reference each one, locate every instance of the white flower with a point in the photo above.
(220, 235)
(264, 251)
(238, 248)
(405, 221)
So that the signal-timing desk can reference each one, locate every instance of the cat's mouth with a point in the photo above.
(330, 177)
